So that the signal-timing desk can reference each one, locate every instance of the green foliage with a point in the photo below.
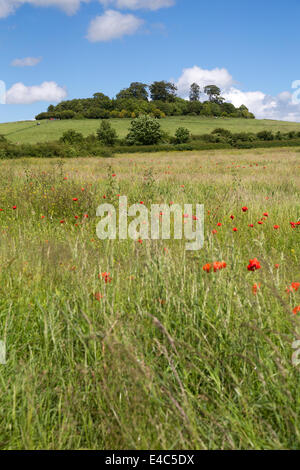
(71, 137)
(182, 135)
(163, 91)
(144, 130)
(265, 135)
(106, 134)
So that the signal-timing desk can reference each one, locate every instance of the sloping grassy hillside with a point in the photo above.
(30, 132)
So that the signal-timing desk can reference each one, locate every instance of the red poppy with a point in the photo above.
(219, 224)
(293, 287)
(85, 216)
(75, 198)
(276, 227)
(214, 232)
(296, 310)
(62, 221)
(266, 214)
(276, 266)
(244, 209)
(106, 277)
(98, 296)
(14, 208)
(254, 264)
(235, 229)
(251, 225)
(232, 217)
(218, 265)
(207, 267)
(260, 222)
(255, 288)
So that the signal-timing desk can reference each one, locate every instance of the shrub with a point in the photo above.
(223, 132)
(182, 135)
(265, 135)
(106, 134)
(144, 130)
(71, 137)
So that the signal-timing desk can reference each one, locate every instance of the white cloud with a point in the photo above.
(47, 91)
(26, 62)
(219, 77)
(112, 25)
(285, 106)
(7, 7)
(138, 4)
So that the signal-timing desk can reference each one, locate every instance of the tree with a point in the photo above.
(144, 130)
(106, 134)
(194, 92)
(136, 90)
(214, 94)
(163, 91)
(71, 137)
(182, 135)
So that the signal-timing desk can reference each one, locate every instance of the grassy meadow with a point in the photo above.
(29, 133)
(132, 345)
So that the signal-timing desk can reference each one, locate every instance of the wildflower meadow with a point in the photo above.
(141, 344)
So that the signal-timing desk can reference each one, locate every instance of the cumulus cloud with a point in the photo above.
(284, 106)
(26, 62)
(138, 4)
(7, 7)
(47, 91)
(112, 25)
(219, 77)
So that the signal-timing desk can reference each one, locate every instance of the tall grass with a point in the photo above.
(165, 356)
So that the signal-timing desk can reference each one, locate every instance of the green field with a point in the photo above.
(29, 132)
(131, 344)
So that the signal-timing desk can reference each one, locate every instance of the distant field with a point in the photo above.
(29, 132)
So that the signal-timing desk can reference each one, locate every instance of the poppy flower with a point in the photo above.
(276, 227)
(98, 296)
(254, 264)
(219, 224)
(14, 208)
(232, 217)
(293, 287)
(140, 240)
(105, 276)
(260, 222)
(296, 310)
(75, 198)
(214, 232)
(235, 229)
(218, 265)
(85, 216)
(276, 266)
(266, 214)
(207, 267)
(61, 221)
(255, 288)
(244, 209)
(251, 225)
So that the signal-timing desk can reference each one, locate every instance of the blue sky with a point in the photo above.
(63, 49)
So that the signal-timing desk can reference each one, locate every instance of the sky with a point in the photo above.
(52, 50)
